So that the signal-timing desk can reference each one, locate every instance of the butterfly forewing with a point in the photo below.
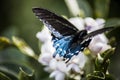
(56, 24)
(99, 31)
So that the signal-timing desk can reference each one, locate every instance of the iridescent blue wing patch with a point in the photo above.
(62, 45)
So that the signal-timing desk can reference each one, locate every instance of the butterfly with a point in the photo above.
(67, 39)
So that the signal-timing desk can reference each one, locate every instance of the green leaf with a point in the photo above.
(107, 54)
(102, 61)
(24, 47)
(39, 70)
(114, 22)
(96, 75)
(8, 71)
(101, 8)
(25, 76)
(109, 77)
(4, 77)
(12, 56)
(98, 63)
(4, 43)
(85, 6)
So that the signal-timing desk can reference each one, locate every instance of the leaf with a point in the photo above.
(85, 6)
(107, 54)
(13, 57)
(109, 77)
(101, 8)
(8, 71)
(102, 61)
(25, 76)
(39, 70)
(24, 47)
(4, 77)
(114, 22)
(96, 75)
(4, 43)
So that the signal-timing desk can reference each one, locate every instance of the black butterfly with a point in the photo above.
(68, 40)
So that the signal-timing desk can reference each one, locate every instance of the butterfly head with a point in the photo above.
(82, 33)
(79, 36)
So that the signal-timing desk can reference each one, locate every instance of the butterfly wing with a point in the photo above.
(96, 32)
(57, 25)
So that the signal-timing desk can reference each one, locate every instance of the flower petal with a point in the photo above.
(53, 64)
(80, 59)
(58, 75)
(73, 67)
(98, 47)
(91, 24)
(44, 58)
(44, 35)
(47, 48)
(61, 66)
(100, 22)
(78, 22)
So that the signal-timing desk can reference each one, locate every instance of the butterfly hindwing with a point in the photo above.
(56, 24)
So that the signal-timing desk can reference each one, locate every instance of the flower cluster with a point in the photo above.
(75, 67)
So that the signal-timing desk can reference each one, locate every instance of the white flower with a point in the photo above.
(99, 42)
(90, 24)
(99, 47)
(80, 59)
(58, 69)
(47, 47)
(73, 67)
(77, 22)
(100, 22)
(44, 35)
(57, 65)
(58, 75)
(45, 58)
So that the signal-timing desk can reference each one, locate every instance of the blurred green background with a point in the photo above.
(17, 19)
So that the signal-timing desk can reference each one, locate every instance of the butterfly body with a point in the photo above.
(67, 39)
